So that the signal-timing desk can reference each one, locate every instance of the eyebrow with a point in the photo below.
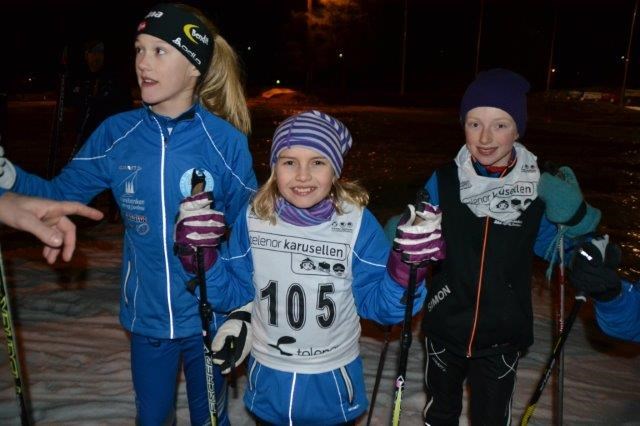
(287, 157)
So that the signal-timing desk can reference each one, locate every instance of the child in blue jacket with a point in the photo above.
(194, 116)
(317, 261)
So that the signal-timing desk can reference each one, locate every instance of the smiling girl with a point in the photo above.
(317, 260)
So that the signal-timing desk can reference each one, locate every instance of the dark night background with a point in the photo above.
(591, 38)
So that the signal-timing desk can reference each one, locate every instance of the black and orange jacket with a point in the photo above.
(479, 310)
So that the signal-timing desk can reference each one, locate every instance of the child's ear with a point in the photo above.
(193, 71)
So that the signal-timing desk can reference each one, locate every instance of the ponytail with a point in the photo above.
(220, 88)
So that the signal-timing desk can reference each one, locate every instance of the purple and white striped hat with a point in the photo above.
(314, 130)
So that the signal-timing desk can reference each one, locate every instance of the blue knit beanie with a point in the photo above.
(314, 130)
(498, 88)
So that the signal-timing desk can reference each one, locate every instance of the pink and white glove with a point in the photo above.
(198, 226)
(418, 239)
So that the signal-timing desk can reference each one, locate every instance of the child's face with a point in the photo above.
(304, 177)
(490, 134)
(166, 78)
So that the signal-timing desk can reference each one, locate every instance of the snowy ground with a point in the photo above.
(75, 356)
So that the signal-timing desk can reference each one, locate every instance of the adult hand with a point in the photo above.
(47, 220)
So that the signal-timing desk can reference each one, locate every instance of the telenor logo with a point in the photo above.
(192, 34)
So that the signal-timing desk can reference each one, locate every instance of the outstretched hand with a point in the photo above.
(47, 220)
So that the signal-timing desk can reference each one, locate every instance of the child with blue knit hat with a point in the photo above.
(497, 210)
(317, 261)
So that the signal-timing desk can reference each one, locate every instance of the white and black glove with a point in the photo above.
(7, 171)
(232, 342)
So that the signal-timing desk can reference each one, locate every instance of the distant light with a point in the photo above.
(553, 70)
(622, 57)
(30, 79)
(248, 47)
(340, 55)
(277, 81)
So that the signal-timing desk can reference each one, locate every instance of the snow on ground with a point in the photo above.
(75, 355)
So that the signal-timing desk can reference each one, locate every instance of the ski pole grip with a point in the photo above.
(198, 181)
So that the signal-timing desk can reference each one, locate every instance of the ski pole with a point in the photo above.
(381, 361)
(206, 312)
(528, 412)
(12, 346)
(561, 309)
(405, 343)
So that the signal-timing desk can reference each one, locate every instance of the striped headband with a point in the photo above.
(314, 130)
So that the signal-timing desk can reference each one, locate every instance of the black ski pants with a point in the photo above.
(491, 380)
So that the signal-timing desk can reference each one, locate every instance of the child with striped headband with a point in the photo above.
(317, 261)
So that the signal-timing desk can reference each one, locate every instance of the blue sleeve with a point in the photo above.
(432, 189)
(241, 181)
(230, 280)
(80, 180)
(620, 317)
(545, 243)
(377, 296)
(546, 236)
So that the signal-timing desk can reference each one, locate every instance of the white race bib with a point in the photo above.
(304, 316)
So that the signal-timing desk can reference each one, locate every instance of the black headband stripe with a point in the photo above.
(182, 30)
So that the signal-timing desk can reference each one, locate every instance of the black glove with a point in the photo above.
(593, 270)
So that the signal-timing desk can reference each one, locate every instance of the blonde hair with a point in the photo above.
(342, 191)
(220, 89)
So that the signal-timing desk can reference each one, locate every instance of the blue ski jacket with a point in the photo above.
(147, 161)
(620, 317)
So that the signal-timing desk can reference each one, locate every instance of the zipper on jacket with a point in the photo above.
(485, 237)
(476, 312)
(163, 144)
